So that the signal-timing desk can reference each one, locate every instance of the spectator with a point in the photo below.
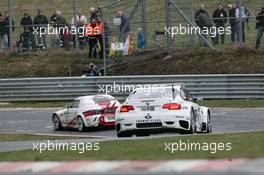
(3, 33)
(100, 25)
(92, 36)
(61, 23)
(26, 41)
(94, 14)
(232, 20)
(55, 38)
(39, 22)
(124, 26)
(203, 21)
(81, 21)
(244, 17)
(26, 21)
(220, 19)
(92, 71)
(260, 27)
(6, 15)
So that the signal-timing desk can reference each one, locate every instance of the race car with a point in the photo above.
(85, 112)
(161, 108)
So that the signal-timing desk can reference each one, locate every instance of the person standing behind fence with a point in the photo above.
(100, 25)
(26, 21)
(3, 34)
(220, 19)
(40, 22)
(62, 23)
(6, 15)
(81, 21)
(124, 26)
(232, 20)
(92, 32)
(260, 27)
(203, 21)
(244, 17)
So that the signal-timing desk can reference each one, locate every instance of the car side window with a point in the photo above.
(182, 93)
(188, 95)
(75, 104)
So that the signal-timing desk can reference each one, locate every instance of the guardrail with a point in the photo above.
(250, 86)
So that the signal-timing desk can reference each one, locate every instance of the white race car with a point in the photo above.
(87, 111)
(160, 108)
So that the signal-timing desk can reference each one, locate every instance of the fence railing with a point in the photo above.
(67, 88)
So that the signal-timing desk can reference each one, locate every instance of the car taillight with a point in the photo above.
(172, 106)
(90, 113)
(126, 108)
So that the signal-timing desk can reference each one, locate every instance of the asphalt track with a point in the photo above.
(34, 121)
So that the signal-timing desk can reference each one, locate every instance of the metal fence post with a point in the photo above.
(10, 12)
(76, 38)
(144, 20)
(240, 22)
(192, 38)
(168, 22)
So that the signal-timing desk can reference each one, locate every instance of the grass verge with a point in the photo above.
(29, 137)
(208, 103)
(249, 145)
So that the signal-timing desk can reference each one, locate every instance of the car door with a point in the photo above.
(72, 111)
(189, 99)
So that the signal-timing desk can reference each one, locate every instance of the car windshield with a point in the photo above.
(152, 93)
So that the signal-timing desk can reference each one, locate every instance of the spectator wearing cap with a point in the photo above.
(260, 27)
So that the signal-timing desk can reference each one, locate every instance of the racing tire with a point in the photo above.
(209, 127)
(56, 123)
(124, 134)
(192, 125)
(80, 125)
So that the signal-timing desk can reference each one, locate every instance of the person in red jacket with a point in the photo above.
(92, 32)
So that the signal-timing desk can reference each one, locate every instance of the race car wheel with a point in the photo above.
(80, 125)
(56, 123)
(192, 125)
(209, 124)
(124, 134)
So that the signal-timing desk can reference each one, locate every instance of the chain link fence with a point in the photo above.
(147, 22)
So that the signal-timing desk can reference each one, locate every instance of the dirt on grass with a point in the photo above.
(239, 60)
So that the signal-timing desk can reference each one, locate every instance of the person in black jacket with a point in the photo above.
(220, 19)
(3, 33)
(26, 21)
(260, 27)
(232, 20)
(6, 15)
(203, 21)
(40, 22)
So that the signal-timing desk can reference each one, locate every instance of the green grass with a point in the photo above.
(29, 137)
(54, 104)
(209, 103)
(233, 103)
(246, 145)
